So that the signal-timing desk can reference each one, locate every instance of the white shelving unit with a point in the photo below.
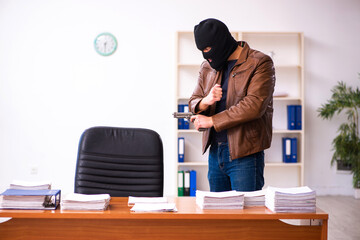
(287, 52)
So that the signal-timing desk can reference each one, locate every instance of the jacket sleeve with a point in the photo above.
(254, 104)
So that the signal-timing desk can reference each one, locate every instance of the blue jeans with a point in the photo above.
(241, 174)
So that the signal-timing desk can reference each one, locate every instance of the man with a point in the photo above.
(233, 101)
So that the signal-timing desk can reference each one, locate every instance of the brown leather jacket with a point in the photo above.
(249, 104)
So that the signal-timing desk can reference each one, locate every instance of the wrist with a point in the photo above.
(211, 122)
(203, 105)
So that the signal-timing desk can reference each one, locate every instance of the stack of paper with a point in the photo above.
(76, 201)
(26, 185)
(29, 199)
(298, 199)
(254, 198)
(135, 200)
(220, 200)
(151, 204)
(154, 207)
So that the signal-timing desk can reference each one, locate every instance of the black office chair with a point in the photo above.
(121, 162)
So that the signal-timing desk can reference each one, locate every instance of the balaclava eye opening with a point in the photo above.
(215, 34)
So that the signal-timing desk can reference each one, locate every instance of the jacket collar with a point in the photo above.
(244, 53)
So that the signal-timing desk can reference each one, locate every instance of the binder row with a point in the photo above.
(187, 183)
(294, 117)
(289, 150)
(183, 123)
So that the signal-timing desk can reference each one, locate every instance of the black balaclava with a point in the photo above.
(215, 34)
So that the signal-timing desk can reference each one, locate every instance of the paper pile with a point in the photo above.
(297, 199)
(151, 204)
(154, 207)
(29, 199)
(220, 200)
(16, 202)
(26, 185)
(134, 200)
(76, 201)
(254, 198)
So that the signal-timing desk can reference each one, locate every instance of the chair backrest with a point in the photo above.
(121, 162)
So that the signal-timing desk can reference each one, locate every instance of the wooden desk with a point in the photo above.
(190, 222)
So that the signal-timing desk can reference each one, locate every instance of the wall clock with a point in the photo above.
(105, 44)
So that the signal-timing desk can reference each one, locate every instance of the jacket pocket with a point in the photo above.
(241, 81)
(253, 131)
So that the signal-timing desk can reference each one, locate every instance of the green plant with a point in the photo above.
(346, 144)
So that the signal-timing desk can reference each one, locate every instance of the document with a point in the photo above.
(132, 200)
(76, 201)
(297, 199)
(154, 207)
(220, 200)
(30, 185)
(254, 198)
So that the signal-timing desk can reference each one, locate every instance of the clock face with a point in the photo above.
(105, 44)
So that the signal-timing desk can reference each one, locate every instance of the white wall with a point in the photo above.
(53, 84)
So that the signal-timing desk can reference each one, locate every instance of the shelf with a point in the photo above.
(275, 99)
(275, 131)
(281, 164)
(287, 99)
(196, 65)
(281, 131)
(268, 164)
(193, 164)
(188, 131)
(286, 66)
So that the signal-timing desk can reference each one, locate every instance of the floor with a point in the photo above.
(344, 216)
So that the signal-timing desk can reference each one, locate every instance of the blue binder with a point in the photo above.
(294, 117)
(289, 150)
(180, 120)
(293, 150)
(192, 183)
(186, 122)
(291, 111)
(51, 201)
(286, 147)
(183, 123)
(181, 149)
(298, 117)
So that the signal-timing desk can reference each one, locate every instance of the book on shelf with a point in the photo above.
(187, 183)
(289, 150)
(77, 201)
(181, 149)
(180, 183)
(183, 123)
(30, 199)
(192, 183)
(294, 118)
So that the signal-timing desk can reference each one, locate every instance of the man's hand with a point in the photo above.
(201, 121)
(214, 96)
